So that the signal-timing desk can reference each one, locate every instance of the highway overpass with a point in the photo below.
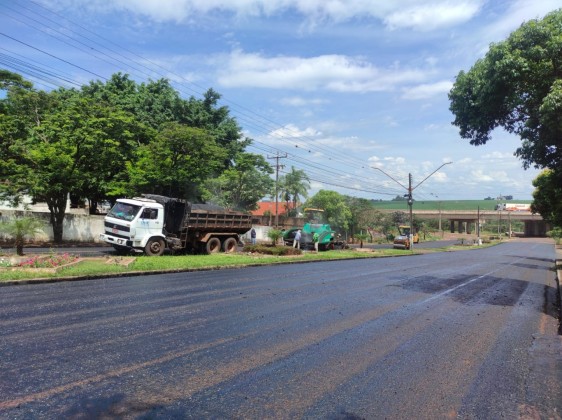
(466, 221)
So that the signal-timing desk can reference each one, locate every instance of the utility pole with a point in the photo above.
(410, 189)
(277, 167)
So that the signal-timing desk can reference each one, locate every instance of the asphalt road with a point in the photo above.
(468, 334)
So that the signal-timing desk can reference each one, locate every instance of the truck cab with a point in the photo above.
(135, 224)
(402, 241)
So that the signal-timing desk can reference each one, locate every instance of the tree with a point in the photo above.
(244, 184)
(21, 228)
(399, 218)
(294, 185)
(361, 237)
(59, 143)
(154, 103)
(517, 86)
(117, 139)
(363, 214)
(274, 235)
(547, 197)
(206, 114)
(175, 163)
(336, 211)
(9, 79)
(157, 103)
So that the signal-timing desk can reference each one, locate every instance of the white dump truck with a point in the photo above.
(154, 223)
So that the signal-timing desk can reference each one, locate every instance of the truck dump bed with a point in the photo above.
(181, 215)
(218, 221)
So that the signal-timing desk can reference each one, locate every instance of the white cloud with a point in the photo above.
(326, 72)
(394, 14)
(291, 131)
(299, 101)
(433, 15)
(425, 91)
(498, 156)
(479, 175)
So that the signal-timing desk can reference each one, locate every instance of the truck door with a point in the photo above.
(149, 222)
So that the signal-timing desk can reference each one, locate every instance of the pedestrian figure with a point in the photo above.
(297, 241)
(315, 239)
(253, 236)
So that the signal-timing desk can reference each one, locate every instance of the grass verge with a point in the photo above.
(97, 267)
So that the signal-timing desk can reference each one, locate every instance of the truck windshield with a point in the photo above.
(124, 211)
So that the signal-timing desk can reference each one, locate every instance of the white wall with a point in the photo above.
(76, 227)
(87, 228)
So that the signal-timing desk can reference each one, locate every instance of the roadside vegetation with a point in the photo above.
(252, 256)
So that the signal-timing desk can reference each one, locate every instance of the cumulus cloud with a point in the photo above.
(328, 72)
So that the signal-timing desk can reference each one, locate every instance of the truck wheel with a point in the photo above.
(229, 245)
(213, 245)
(154, 247)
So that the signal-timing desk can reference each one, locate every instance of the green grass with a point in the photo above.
(96, 267)
(443, 205)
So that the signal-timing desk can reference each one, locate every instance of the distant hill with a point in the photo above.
(443, 204)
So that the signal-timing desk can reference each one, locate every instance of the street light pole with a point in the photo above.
(410, 204)
(410, 189)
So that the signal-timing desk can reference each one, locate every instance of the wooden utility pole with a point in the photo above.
(277, 167)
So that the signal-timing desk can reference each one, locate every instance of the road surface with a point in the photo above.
(468, 334)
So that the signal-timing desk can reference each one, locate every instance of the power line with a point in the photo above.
(252, 120)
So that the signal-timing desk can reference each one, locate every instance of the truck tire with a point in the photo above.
(229, 245)
(154, 247)
(213, 245)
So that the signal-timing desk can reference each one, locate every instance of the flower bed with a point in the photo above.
(42, 263)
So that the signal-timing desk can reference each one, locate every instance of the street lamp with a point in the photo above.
(410, 189)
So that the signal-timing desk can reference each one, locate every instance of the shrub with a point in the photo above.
(21, 228)
(555, 234)
(274, 235)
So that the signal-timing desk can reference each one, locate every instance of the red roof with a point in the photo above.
(264, 206)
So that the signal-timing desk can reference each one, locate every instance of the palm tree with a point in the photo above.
(361, 237)
(18, 229)
(296, 184)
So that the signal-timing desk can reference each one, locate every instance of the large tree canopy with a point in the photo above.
(175, 163)
(120, 138)
(517, 86)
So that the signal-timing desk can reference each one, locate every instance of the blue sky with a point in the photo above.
(338, 87)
